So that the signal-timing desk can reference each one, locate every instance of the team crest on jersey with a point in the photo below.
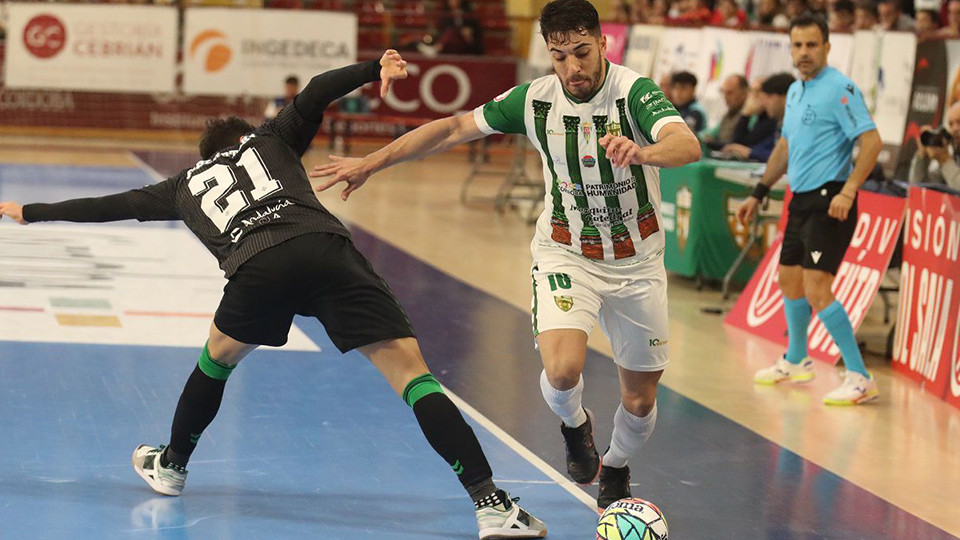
(589, 161)
(587, 128)
(565, 303)
(613, 128)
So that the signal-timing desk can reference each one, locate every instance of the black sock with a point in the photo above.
(450, 435)
(198, 406)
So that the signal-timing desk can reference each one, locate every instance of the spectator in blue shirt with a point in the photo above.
(683, 85)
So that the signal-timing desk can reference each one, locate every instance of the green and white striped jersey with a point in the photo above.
(603, 213)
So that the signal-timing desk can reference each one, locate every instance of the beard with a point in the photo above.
(592, 82)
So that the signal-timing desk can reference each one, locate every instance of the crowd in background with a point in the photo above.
(928, 18)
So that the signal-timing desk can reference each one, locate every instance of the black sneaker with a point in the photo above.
(614, 485)
(583, 461)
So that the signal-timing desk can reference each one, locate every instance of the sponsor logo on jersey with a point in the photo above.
(809, 116)
(646, 97)
(565, 303)
(589, 161)
(815, 255)
(502, 96)
(658, 342)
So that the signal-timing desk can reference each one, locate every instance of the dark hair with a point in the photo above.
(222, 133)
(844, 6)
(741, 81)
(778, 84)
(292, 79)
(809, 19)
(559, 17)
(683, 78)
(869, 6)
(894, 2)
(934, 15)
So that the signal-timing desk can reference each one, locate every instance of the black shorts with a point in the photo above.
(318, 275)
(812, 238)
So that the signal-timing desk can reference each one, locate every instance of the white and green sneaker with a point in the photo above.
(505, 519)
(785, 371)
(164, 480)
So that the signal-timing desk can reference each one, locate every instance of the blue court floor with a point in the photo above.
(313, 444)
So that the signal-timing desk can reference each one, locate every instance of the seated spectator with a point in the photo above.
(694, 12)
(728, 13)
(928, 22)
(683, 91)
(658, 12)
(770, 13)
(796, 8)
(866, 17)
(758, 143)
(459, 30)
(939, 163)
(842, 16)
(735, 91)
(891, 18)
(952, 26)
(818, 7)
(291, 87)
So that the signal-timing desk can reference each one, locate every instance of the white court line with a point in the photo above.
(525, 453)
(157, 177)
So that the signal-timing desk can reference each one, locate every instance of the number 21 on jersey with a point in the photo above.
(220, 200)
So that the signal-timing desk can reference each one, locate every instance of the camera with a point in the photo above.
(935, 137)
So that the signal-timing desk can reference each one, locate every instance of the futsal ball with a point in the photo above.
(632, 519)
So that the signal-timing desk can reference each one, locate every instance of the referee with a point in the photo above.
(825, 115)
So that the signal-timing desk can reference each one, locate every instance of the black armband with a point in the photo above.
(760, 191)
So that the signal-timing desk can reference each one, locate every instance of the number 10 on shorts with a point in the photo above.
(559, 281)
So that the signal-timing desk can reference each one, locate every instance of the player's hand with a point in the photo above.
(13, 211)
(392, 68)
(840, 206)
(621, 151)
(738, 150)
(747, 209)
(353, 171)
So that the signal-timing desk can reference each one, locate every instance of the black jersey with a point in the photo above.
(244, 199)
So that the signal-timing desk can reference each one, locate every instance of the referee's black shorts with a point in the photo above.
(812, 239)
(318, 275)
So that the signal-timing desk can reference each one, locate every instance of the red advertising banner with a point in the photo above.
(927, 340)
(617, 36)
(759, 309)
(442, 86)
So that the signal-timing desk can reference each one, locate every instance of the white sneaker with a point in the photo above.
(785, 371)
(507, 520)
(163, 480)
(854, 390)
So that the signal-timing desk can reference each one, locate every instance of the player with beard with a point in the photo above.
(603, 132)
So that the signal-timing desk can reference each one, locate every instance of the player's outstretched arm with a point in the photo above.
(431, 138)
(150, 203)
(327, 87)
(676, 146)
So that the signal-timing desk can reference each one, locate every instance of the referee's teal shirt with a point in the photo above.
(823, 118)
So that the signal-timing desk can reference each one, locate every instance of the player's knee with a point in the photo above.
(562, 377)
(640, 404)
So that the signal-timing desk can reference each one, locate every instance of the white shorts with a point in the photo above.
(630, 302)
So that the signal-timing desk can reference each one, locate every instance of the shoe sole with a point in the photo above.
(511, 536)
(847, 403)
(150, 481)
(799, 379)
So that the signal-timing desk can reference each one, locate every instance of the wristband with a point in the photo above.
(760, 191)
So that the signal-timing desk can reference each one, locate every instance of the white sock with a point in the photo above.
(630, 433)
(567, 404)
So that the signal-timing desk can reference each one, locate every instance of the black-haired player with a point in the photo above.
(251, 204)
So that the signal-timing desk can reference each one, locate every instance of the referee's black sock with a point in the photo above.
(198, 406)
(450, 435)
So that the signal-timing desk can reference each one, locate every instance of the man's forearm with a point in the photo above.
(431, 138)
(93, 210)
(332, 85)
(870, 146)
(673, 150)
